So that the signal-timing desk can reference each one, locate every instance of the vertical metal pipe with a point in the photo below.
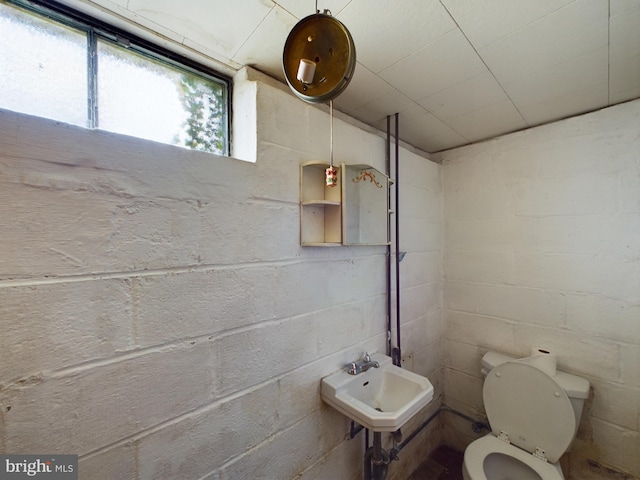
(368, 467)
(397, 213)
(388, 173)
(379, 458)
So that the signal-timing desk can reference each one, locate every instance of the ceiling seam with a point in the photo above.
(485, 64)
(275, 5)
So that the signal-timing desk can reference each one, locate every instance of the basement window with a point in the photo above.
(60, 64)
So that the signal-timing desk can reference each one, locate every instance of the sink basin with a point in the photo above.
(380, 399)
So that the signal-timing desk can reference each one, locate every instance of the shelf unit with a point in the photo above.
(320, 207)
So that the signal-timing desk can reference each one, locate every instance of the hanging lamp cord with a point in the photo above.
(331, 135)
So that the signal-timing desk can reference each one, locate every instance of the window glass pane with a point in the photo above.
(43, 67)
(149, 99)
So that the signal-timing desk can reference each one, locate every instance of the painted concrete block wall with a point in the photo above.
(160, 318)
(542, 248)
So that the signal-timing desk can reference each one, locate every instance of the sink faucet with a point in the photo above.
(359, 366)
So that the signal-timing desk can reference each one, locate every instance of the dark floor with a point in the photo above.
(444, 463)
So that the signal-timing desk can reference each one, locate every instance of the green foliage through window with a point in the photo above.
(205, 106)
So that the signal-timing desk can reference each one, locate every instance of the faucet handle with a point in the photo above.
(351, 368)
(366, 357)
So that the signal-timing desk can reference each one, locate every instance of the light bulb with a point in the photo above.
(306, 71)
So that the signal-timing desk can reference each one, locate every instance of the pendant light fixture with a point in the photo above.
(319, 60)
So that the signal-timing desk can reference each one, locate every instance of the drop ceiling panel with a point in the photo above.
(425, 126)
(206, 24)
(116, 14)
(425, 131)
(304, 8)
(389, 103)
(624, 80)
(616, 7)
(151, 24)
(264, 46)
(624, 51)
(625, 35)
(448, 60)
(393, 30)
(573, 30)
(365, 87)
(573, 103)
(110, 3)
(486, 21)
(490, 121)
(556, 81)
(412, 116)
(465, 97)
(443, 142)
(215, 54)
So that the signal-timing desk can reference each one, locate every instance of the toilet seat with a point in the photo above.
(476, 453)
(529, 409)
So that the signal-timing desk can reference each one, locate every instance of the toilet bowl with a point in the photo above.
(533, 421)
(489, 458)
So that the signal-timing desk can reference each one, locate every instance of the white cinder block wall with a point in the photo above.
(159, 316)
(542, 248)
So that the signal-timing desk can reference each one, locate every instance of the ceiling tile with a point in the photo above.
(486, 21)
(490, 121)
(624, 35)
(571, 31)
(215, 54)
(115, 13)
(380, 124)
(148, 23)
(424, 131)
(559, 80)
(414, 112)
(465, 97)
(573, 103)
(414, 115)
(203, 25)
(444, 62)
(392, 31)
(110, 3)
(364, 87)
(391, 102)
(301, 9)
(266, 43)
(624, 80)
(616, 7)
(422, 126)
(442, 142)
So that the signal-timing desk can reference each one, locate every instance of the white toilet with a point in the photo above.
(534, 418)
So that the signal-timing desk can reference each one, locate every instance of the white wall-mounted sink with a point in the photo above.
(380, 399)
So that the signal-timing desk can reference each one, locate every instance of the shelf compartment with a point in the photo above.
(320, 207)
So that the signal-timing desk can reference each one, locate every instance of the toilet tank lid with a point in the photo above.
(573, 385)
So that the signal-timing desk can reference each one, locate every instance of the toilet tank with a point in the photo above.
(576, 388)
